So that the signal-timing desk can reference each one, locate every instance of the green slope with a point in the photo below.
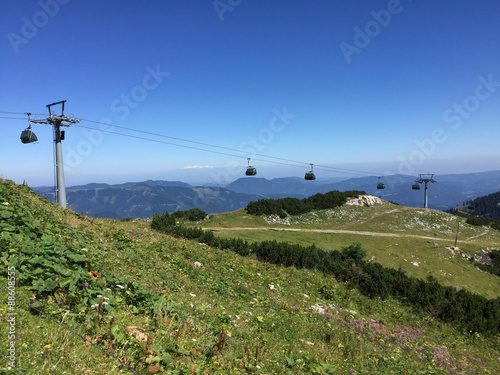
(161, 312)
(417, 240)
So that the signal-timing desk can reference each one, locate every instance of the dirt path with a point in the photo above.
(479, 235)
(362, 233)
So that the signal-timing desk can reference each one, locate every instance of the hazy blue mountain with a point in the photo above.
(153, 183)
(94, 185)
(276, 187)
(447, 192)
(143, 199)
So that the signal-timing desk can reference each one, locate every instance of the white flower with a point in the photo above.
(305, 295)
(271, 286)
(197, 264)
(192, 294)
(120, 286)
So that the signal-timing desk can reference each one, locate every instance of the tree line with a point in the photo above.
(487, 206)
(295, 206)
(486, 221)
(467, 310)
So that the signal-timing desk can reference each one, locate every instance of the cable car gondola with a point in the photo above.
(27, 135)
(415, 186)
(251, 171)
(380, 185)
(310, 175)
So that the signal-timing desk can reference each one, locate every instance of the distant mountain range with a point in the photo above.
(144, 199)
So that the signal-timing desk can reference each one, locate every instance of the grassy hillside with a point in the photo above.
(415, 240)
(168, 305)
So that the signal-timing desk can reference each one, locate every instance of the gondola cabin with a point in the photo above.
(310, 176)
(380, 186)
(27, 136)
(251, 171)
(415, 187)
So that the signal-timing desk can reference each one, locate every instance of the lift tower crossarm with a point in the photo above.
(53, 119)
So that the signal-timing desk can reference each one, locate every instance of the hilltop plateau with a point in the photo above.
(419, 241)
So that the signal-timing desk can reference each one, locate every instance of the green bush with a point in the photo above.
(479, 221)
(162, 222)
(294, 206)
(194, 214)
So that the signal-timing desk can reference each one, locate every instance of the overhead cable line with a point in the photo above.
(285, 161)
(322, 167)
(211, 151)
(22, 113)
(184, 146)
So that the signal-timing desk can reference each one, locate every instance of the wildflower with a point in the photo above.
(192, 294)
(47, 346)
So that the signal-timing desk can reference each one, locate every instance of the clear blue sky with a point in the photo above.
(376, 86)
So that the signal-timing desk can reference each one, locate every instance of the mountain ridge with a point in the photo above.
(450, 191)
